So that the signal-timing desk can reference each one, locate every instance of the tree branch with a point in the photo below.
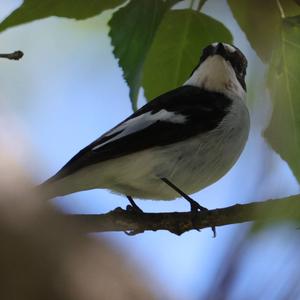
(180, 222)
(15, 55)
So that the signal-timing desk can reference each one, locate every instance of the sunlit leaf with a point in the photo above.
(272, 28)
(132, 31)
(261, 21)
(32, 10)
(276, 215)
(177, 47)
(283, 132)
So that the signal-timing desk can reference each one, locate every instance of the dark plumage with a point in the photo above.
(203, 110)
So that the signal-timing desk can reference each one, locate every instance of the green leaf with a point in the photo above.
(261, 21)
(177, 47)
(132, 31)
(276, 38)
(283, 132)
(32, 10)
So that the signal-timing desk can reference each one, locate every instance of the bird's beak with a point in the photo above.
(220, 50)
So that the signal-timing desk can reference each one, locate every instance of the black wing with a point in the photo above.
(203, 111)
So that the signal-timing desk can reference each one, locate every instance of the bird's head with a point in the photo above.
(222, 68)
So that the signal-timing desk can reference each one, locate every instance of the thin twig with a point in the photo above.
(180, 222)
(15, 55)
(200, 4)
(280, 9)
(192, 4)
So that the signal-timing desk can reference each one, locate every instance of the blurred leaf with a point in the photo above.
(277, 39)
(261, 21)
(277, 215)
(291, 8)
(132, 31)
(177, 47)
(32, 10)
(283, 132)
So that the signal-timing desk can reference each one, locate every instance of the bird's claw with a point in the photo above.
(133, 232)
(195, 207)
(134, 209)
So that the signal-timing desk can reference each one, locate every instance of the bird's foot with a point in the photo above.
(133, 232)
(195, 207)
(132, 207)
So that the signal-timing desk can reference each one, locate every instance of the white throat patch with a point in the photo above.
(217, 75)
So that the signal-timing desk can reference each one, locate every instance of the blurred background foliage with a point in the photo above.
(68, 89)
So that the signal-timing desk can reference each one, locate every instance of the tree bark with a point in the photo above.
(134, 222)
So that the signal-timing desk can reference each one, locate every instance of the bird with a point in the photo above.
(175, 145)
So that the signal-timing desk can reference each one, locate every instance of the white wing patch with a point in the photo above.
(141, 122)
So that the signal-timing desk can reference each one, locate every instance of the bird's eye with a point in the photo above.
(206, 53)
(239, 69)
(237, 64)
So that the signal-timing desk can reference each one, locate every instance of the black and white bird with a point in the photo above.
(177, 144)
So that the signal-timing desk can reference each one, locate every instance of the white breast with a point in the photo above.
(206, 158)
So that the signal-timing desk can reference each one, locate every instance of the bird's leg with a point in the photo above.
(133, 206)
(195, 206)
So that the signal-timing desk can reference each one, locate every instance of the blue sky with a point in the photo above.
(68, 89)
